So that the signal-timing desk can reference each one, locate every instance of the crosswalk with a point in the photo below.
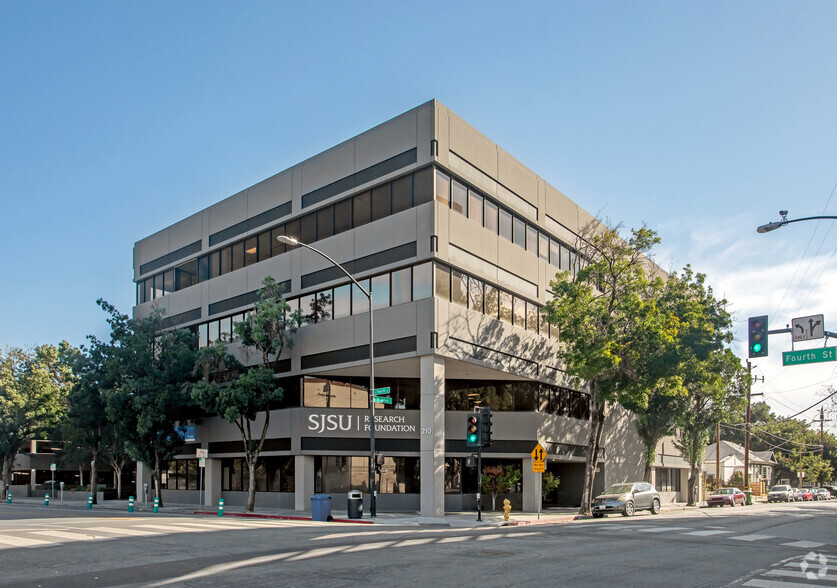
(11, 537)
(811, 569)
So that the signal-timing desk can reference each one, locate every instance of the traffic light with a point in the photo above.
(758, 336)
(472, 431)
(485, 426)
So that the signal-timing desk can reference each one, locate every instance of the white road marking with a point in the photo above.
(761, 583)
(124, 531)
(707, 533)
(24, 542)
(72, 536)
(661, 529)
(752, 537)
(804, 544)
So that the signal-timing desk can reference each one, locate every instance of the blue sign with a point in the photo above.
(186, 433)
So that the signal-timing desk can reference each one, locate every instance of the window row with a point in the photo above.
(492, 301)
(389, 289)
(337, 474)
(517, 397)
(273, 474)
(499, 220)
(350, 213)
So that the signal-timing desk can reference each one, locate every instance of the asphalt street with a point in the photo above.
(770, 546)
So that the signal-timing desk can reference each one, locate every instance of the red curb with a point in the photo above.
(281, 517)
(542, 522)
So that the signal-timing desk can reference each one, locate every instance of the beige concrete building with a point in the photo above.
(457, 242)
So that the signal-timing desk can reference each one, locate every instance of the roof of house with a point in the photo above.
(730, 449)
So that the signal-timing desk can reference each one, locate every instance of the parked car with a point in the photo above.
(797, 495)
(807, 494)
(626, 499)
(821, 494)
(780, 493)
(724, 496)
(832, 490)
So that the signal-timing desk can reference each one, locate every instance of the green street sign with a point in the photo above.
(380, 391)
(382, 399)
(802, 356)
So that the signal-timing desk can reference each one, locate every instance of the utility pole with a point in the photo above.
(718, 454)
(822, 422)
(747, 428)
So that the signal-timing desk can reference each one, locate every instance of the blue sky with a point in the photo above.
(701, 119)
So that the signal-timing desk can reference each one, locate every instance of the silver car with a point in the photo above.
(626, 499)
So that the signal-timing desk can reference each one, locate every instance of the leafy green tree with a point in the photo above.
(655, 420)
(240, 395)
(549, 482)
(149, 374)
(608, 319)
(499, 479)
(33, 390)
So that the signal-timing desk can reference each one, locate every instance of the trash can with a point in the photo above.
(321, 507)
(748, 497)
(355, 504)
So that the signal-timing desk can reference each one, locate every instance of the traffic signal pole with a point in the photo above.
(479, 482)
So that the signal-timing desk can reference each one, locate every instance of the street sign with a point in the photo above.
(808, 327)
(202, 462)
(538, 467)
(538, 453)
(382, 399)
(818, 355)
(202, 453)
(380, 391)
(52, 467)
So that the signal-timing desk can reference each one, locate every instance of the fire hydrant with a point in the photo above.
(506, 508)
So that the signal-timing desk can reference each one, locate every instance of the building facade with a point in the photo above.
(457, 242)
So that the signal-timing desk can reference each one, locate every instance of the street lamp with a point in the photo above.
(781, 223)
(368, 293)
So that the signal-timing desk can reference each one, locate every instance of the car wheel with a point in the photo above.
(598, 515)
(655, 507)
(628, 511)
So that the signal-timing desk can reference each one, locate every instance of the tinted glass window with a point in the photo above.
(308, 228)
(360, 303)
(476, 294)
(492, 301)
(214, 331)
(215, 264)
(186, 275)
(226, 260)
(506, 309)
(422, 281)
(380, 291)
(519, 230)
(342, 301)
(532, 316)
(505, 224)
(292, 229)
(423, 186)
(277, 247)
(555, 253)
(459, 288)
(565, 258)
(147, 286)
(459, 197)
(264, 245)
(475, 206)
(381, 205)
(442, 187)
(531, 239)
(325, 223)
(402, 286)
(543, 246)
(237, 255)
(442, 282)
(203, 270)
(402, 194)
(491, 216)
(323, 307)
(251, 251)
(519, 306)
(342, 216)
(361, 209)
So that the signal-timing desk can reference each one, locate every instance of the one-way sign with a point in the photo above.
(808, 327)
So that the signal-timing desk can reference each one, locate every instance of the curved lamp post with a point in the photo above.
(368, 293)
(781, 223)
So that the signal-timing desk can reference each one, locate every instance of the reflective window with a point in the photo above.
(519, 307)
(555, 253)
(505, 224)
(459, 288)
(402, 194)
(380, 291)
(215, 264)
(475, 206)
(237, 261)
(476, 294)
(308, 308)
(491, 216)
(519, 232)
(423, 186)
(342, 216)
(543, 246)
(292, 228)
(308, 228)
(186, 275)
(225, 329)
(362, 208)
(532, 316)
(360, 303)
(276, 246)
(264, 245)
(492, 301)
(226, 260)
(442, 188)
(402, 286)
(459, 197)
(213, 331)
(505, 307)
(322, 306)
(422, 281)
(239, 318)
(342, 301)
(565, 258)
(159, 291)
(531, 239)
(442, 282)
(381, 203)
(251, 251)
(203, 340)
(325, 222)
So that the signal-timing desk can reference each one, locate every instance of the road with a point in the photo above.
(769, 546)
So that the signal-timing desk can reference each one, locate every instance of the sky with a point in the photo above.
(700, 119)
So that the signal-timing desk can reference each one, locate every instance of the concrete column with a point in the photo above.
(144, 476)
(213, 476)
(32, 476)
(432, 398)
(531, 487)
(303, 481)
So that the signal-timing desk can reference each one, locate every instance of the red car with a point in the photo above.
(807, 493)
(723, 496)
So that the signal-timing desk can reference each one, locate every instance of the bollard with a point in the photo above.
(9, 497)
(507, 508)
(46, 499)
(90, 502)
(156, 504)
(221, 507)
(130, 504)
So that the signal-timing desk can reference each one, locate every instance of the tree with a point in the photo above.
(549, 482)
(655, 420)
(608, 321)
(240, 395)
(33, 389)
(150, 371)
(499, 479)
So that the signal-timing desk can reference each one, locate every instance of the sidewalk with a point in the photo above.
(557, 515)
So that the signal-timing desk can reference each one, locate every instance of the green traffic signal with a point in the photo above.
(757, 334)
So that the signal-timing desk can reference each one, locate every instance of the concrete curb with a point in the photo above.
(249, 515)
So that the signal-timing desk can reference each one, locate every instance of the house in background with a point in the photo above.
(762, 463)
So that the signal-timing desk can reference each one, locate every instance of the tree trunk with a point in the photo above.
(694, 477)
(158, 479)
(648, 472)
(7, 471)
(93, 477)
(598, 414)
(251, 490)
(81, 475)
(118, 473)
